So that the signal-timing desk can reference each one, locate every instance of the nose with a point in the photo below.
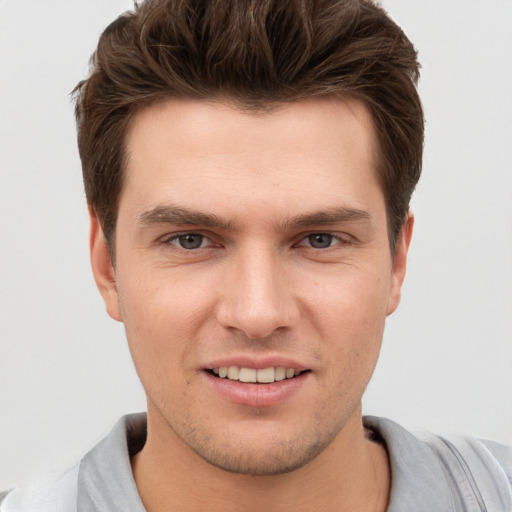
(257, 295)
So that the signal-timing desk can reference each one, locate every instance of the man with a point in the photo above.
(248, 168)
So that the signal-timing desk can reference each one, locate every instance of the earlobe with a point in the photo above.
(102, 268)
(400, 263)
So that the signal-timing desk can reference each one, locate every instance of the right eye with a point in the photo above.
(189, 241)
(321, 240)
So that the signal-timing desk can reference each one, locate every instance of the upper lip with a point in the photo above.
(258, 363)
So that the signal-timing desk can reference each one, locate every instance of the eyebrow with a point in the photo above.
(171, 214)
(326, 217)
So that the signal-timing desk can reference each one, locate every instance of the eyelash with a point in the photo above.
(174, 239)
(340, 239)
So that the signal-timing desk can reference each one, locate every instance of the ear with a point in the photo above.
(400, 263)
(102, 268)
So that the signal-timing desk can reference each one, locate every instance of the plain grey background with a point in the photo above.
(65, 370)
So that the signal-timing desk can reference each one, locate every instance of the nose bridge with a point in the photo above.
(257, 299)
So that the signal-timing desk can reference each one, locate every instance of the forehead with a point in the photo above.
(204, 153)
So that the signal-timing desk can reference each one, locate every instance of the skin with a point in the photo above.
(254, 288)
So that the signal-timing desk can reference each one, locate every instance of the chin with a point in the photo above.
(263, 452)
(279, 459)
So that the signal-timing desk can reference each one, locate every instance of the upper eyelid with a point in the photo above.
(341, 236)
(339, 241)
(172, 239)
(200, 232)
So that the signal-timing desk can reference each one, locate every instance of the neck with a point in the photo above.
(352, 473)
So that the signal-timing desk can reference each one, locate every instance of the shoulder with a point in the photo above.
(502, 454)
(481, 457)
(478, 472)
(445, 473)
(102, 475)
(50, 493)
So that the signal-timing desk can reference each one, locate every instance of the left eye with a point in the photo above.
(189, 241)
(320, 240)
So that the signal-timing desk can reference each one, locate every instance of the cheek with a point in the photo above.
(350, 313)
(154, 298)
(353, 299)
(162, 321)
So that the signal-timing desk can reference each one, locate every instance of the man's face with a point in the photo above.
(255, 241)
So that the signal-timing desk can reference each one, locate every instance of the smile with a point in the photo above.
(264, 375)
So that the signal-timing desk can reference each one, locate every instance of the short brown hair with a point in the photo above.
(257, 53)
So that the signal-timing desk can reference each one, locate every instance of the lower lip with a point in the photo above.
(256, 395)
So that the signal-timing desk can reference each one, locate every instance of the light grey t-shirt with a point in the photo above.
(432, 475)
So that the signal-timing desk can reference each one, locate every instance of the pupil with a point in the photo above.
(191, 241)
(320, 240)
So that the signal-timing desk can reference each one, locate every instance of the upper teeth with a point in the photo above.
(265, 375)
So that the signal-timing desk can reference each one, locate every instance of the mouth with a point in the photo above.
(255, 376)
